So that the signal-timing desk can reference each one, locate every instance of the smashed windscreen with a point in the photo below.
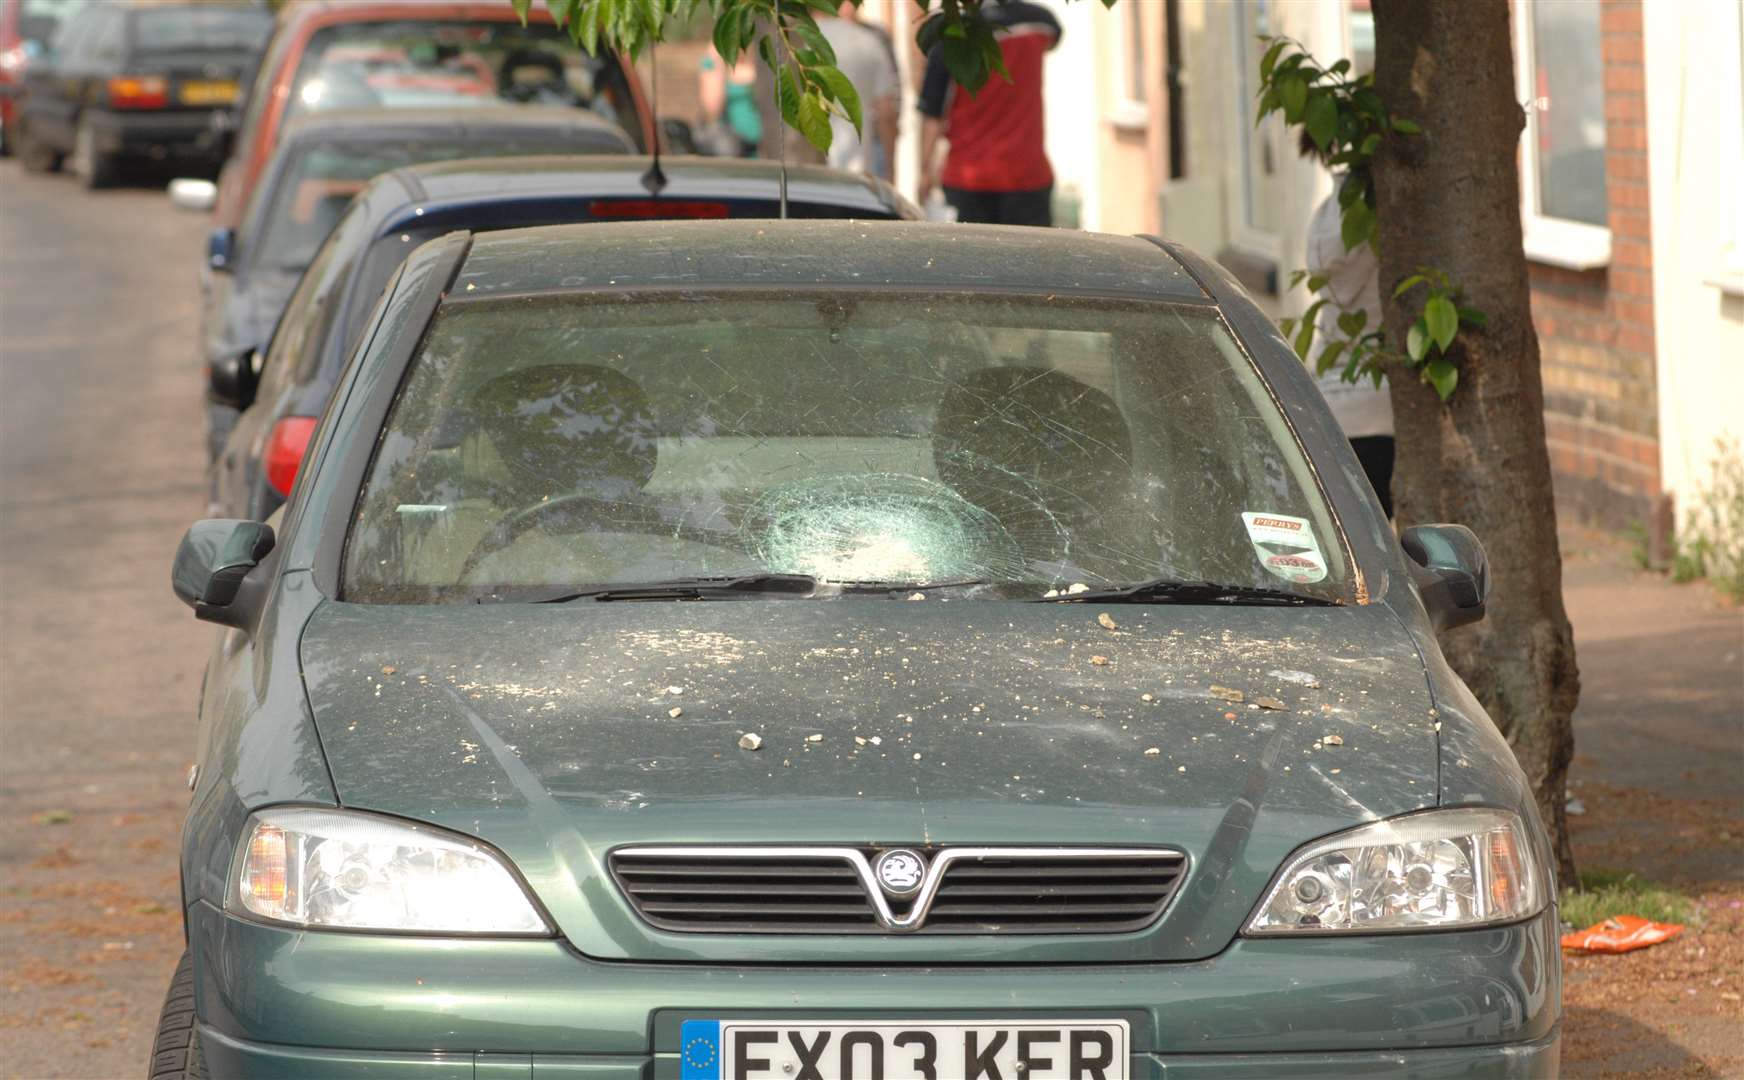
(1030, 443)
(453, 64)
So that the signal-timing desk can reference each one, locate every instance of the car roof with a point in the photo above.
(849, 254)
(337, 11)
(470, 121)
(610, 175)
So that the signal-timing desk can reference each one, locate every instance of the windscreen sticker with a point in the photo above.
(1286, 546)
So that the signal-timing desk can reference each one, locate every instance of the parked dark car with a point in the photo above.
(764, 650)
(26, 29)
(135, 80)
(323, 160)
(259, 460)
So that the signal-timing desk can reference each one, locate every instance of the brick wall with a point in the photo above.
(1595, 328)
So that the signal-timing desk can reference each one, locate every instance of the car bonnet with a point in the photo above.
(558, 732)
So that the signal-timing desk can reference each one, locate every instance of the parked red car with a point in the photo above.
(26, 28)
(422, 54)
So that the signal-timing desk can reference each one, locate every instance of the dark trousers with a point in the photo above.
(1004, 207)
(1376, 454)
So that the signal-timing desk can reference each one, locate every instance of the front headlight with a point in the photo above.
(342, 870)
(1427, 871)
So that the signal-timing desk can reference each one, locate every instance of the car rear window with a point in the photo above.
(456, 64)
(1033, 443)
(206, 29)
(313, 190)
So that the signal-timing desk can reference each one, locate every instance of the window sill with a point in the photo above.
(1568, 244)
(1130, 116)
(1729, 276)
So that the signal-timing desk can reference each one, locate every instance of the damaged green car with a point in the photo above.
(823, 650)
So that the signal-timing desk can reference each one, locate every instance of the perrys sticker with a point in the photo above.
(1286, 546)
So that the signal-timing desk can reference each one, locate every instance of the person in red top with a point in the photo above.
(996, 170)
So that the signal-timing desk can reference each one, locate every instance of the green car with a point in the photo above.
(823, 650)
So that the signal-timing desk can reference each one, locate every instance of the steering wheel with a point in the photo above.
(589, 512)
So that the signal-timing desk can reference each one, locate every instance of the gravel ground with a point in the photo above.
(100, 471)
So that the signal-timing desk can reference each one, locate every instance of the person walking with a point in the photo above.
(734, 125)
(996, 169)
(1363, 410)
(864, 54)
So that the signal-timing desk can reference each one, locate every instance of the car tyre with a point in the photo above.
(34, 155)
(95, 168)
(175, 1053)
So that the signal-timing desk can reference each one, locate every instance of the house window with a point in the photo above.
(1132, 104)
(1262, 147)
(1560, 73)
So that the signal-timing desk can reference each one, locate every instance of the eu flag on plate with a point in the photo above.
(699, 1050)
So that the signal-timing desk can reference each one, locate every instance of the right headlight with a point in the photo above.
(1428, 871)
(339, 869)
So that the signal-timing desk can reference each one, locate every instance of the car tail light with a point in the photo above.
(284, 452)
(654, 209)
(139, 92)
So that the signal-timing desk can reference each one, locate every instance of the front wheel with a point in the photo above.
(175, 1053)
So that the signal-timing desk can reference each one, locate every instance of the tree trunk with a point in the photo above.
(1449, 198)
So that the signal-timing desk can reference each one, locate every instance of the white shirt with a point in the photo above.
(1352, 281)
(864, 56)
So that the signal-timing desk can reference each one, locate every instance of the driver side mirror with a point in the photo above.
(232, 380)
(214, 558)
(1454, 579)
(220, 247)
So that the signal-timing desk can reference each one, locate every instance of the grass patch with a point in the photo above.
(1606, 893)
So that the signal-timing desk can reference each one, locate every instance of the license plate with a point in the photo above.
(208, 92)
(903, 1050)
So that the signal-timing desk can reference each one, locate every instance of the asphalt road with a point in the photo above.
(100, 471)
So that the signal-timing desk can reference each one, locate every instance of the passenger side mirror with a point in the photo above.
(232, 380)
(214, 557)
(1454, 582)
(198, 196)
(220, 248)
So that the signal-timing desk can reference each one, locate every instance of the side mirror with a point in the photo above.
(231, 381)
(198, 196)
(220, 248)
(214, 557)
(1454, 581)
(677, 136)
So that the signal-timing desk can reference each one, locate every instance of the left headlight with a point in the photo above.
(1428, 871)
(335, 869)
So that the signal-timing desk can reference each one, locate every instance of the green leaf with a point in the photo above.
(1369, 145)
(842, 91)
(787, 97)
(726, 38)
(1293, 92)
(522, 7)
(807, 31)
(1267, 62)
(1305, 330)
(1406, 127)
(1352, 323)
(1417, 342)
(1473, 317)
(1339, 68)
(1441, 319)
(1316, 282)
(1321, 118)
(966, 63)
(1408, 284)
(1357, 225)
(1329, 356)
(814, 122)
(1443, 376)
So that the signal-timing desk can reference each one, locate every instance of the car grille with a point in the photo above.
(766, 890)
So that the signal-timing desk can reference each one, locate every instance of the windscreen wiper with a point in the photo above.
(696, 588)
(1173, 591)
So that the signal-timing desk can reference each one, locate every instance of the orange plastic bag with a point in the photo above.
(1621, 934)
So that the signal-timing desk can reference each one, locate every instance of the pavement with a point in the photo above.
(100, 471)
